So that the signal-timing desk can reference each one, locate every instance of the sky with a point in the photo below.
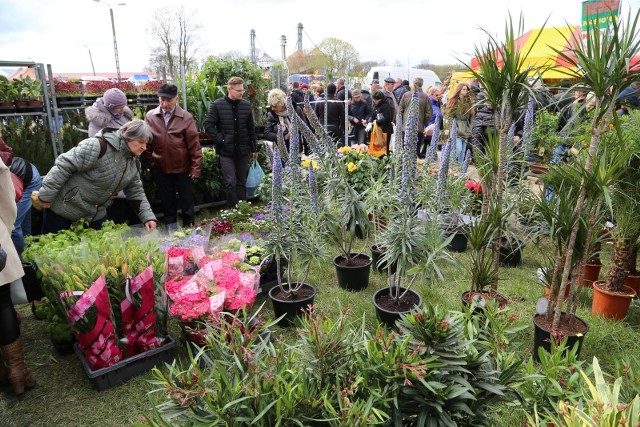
(63, 33)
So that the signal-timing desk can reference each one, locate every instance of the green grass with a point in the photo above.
(65, 397)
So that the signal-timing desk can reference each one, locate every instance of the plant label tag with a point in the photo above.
(542, 305)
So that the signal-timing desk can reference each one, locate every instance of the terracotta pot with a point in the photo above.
(591, 274)
(634, 283)
(611, 305)
(547, 292)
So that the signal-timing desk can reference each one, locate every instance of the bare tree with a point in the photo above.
(178, 32)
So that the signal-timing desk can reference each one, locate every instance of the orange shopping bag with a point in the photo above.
(377, 142)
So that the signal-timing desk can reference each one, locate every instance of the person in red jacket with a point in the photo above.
(174, 156)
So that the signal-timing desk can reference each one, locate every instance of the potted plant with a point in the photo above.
(32, 91)
(67, 93)
(8, 94)
(503, 74)
(611, 297)
(378, 198)
(294, 239)
(601, 67)
(414, 245)
(148, 91)
(209, 183)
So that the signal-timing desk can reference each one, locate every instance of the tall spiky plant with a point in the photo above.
(600, 65)
(503, 75)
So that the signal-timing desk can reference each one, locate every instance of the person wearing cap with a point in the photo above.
(109, 111)
(305, 88)
(83, 181)
(175, 155)
(375, 85)
(359, 113)
(387, 89)
(230, 122)
(381, 115)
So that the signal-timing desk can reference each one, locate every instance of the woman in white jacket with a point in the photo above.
(12, 367)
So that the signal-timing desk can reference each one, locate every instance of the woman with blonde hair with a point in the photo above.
(277, 115)
(460, 109)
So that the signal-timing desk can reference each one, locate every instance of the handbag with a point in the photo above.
(254, 178)
(378, 137)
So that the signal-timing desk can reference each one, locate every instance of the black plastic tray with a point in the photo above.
(127, 368)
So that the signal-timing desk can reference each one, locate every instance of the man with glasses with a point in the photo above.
(230, 123)
(174, 156)
(359, 112)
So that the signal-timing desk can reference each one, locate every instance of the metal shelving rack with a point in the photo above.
(48, 93)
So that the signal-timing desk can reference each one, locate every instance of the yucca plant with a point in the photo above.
(600, 65)
(503, 75)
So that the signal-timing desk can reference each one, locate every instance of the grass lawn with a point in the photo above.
(65, 396)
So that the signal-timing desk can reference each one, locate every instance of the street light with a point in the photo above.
(113, 27)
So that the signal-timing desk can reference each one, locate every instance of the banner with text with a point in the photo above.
(599, 13)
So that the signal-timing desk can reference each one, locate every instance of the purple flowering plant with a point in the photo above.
(413, 243)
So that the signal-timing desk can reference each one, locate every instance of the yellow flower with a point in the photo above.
(351, 167)
(344, 149)
(308, 162)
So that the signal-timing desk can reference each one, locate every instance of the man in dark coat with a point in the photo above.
(230, 123)
(335, 114)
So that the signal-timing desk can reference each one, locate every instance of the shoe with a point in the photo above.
(18, 375)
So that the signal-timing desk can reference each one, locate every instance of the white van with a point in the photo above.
(430, 78)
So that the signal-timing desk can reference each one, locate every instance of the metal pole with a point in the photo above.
(54, 131)
(91, 59)
(115, 43)
(346, 106)
(184, 87)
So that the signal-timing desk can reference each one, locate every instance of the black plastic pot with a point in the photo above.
(387, 317)
(542, 338)
(458, 243)
(510, 253)
(63, 347)
(353, 278)
(480, 300)
(376, 254)
(290, 307)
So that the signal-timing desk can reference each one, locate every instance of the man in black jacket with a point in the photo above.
(230, 123)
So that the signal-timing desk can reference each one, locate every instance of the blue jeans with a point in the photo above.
(22, 226)
(461, 151)
(52, 222)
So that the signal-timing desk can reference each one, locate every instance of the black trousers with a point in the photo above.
(234, 174)
(9, 326)
(167, 184)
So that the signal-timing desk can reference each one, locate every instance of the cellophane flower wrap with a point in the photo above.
(223, 282)
(99, 343)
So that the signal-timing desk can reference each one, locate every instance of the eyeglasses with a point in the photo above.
(238, 90)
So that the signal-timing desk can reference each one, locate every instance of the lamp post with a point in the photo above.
(113, 28)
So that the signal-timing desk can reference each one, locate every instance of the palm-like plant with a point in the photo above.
(600, 65)
(503, 75)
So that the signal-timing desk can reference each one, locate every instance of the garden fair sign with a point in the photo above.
(599, 13)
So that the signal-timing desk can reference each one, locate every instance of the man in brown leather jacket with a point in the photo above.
(174, 156)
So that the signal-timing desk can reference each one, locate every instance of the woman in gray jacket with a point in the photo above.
(83, 180)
